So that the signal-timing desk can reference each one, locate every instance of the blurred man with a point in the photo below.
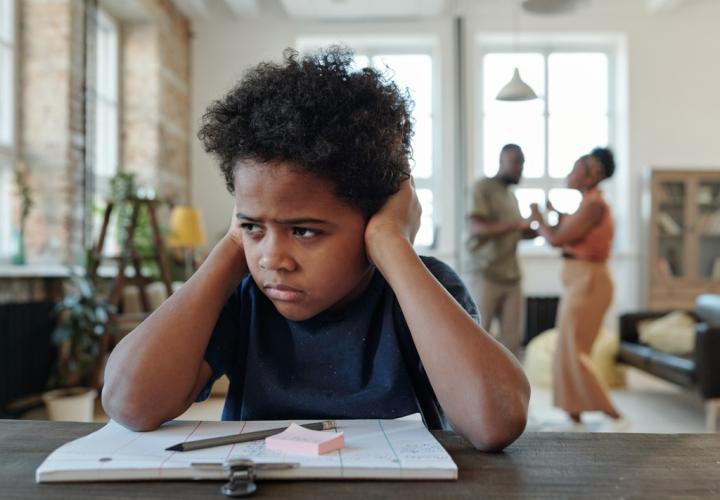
(496, 226)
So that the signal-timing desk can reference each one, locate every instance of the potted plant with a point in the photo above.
(84, 323)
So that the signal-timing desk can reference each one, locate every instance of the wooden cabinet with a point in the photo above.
(684, 237)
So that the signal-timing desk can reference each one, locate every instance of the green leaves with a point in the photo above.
(83, 317)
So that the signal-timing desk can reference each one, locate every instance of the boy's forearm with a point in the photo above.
(155, 368)
(480, 385)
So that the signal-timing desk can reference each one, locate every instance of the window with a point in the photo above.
(106, 122)
(412, 67)
(573, 117)
(7, 121)
(414, 73)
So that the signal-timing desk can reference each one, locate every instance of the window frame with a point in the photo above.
(372, 46)
(545, 46)
(101, 98)
(9, 150)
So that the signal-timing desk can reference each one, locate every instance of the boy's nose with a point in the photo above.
(276, 261)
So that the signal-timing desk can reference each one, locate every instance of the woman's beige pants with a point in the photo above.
(587, 296)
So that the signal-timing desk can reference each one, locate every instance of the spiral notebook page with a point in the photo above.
(374, 449)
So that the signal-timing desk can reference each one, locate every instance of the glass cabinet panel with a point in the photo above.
(708, 229)
(671, 229)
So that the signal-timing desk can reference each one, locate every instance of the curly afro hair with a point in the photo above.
(352, 127)
(606, 157)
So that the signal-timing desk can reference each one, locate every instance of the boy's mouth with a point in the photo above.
(283, 293)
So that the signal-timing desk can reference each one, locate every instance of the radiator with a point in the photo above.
(540, 315)
(26, 349)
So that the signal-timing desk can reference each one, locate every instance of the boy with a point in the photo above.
(315, 304)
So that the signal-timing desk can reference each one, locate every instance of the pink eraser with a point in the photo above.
(297, 439)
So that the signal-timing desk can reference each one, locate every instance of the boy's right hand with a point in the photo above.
(235, 231)
(235, 236)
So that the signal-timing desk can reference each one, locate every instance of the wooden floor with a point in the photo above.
(648, 403)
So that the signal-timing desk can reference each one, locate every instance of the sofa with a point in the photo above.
(698, 371)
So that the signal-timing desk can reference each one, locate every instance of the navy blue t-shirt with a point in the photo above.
(357, 362)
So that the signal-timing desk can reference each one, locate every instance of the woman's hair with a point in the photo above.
(321, 115)
(607, 160)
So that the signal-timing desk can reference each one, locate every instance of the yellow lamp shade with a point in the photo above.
(186, 228)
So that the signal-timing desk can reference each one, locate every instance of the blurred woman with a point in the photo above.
(585, 238)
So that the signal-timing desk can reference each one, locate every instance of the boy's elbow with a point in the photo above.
(500, 436)
(128, 412)
(500, 430)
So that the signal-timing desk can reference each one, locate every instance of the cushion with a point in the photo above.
(673, 333)
(540, 354)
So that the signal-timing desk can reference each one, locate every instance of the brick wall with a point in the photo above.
(155, 125)
(51, 124)
(154, 83)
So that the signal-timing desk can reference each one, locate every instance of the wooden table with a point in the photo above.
(538, 465)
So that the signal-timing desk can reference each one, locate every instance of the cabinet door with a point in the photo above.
(670, 229)
(707, 228)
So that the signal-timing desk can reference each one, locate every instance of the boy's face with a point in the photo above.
(304, 246)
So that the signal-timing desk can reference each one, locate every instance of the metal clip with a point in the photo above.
(241, 476)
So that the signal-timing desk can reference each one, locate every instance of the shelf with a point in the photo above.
(34, 271)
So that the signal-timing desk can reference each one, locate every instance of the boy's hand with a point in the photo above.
(398, 217)
(235, 231)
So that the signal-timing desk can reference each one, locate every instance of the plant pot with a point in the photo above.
(18, 257)
(76, 404)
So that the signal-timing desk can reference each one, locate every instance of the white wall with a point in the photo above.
(673, 99)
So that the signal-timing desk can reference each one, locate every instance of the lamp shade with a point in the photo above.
(516, 90)
(186, 228)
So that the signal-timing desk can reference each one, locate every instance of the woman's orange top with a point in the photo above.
(595, 245)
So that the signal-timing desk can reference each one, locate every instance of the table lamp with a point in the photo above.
(186, 232)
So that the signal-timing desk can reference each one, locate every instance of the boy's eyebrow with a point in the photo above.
(287, 222)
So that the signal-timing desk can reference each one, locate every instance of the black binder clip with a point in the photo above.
(241, 476)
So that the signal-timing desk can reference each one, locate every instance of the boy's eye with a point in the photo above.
(305, 232)
(250, 228)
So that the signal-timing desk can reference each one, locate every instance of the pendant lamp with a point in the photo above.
(516, 90)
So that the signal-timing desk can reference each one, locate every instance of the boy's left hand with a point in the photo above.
(399, 216)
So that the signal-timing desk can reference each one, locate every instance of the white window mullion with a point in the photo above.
(8, 120)
(546, 116)
(106, 126)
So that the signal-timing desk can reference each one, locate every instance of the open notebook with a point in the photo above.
(374, 449)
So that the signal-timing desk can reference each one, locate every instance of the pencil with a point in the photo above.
(244, 438)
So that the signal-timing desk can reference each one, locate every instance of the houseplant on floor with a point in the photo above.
(84, 318)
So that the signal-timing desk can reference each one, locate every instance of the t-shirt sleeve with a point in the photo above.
(480, 201)
(449, 279)
(222, 349)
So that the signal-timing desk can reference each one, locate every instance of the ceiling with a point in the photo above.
(354, 10)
